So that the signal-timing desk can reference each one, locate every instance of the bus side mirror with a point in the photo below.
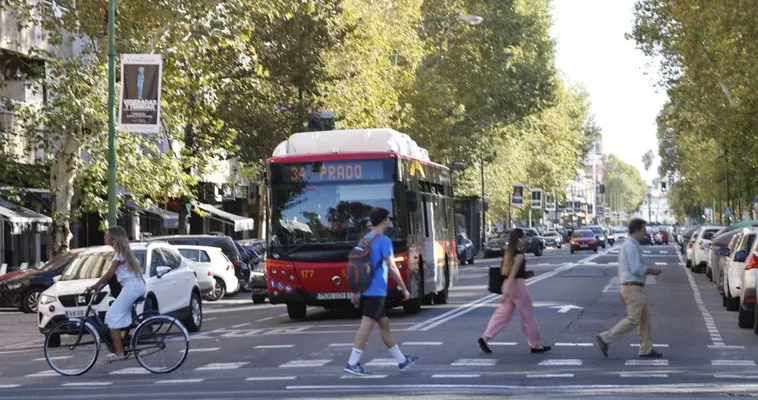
(411, 201)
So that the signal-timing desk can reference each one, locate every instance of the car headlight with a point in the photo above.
(46, 299)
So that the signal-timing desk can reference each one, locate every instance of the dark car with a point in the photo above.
(255, 250)
(22, 288)
(686, 236)
(584, 239)
(533, 242)
(465, 248)
(225, 243)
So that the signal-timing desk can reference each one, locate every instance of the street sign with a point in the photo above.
(517, 197)
(550, 203)
(140, 107)
(536, 199)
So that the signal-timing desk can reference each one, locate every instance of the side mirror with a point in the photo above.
(740, 256)
(162, 270)
(722, 251)
(411, 201)
(56, 278)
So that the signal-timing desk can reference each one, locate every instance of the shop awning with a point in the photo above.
(22, 219)
(170, 219)
(240, 223)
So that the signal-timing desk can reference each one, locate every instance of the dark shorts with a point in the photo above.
(373, 307)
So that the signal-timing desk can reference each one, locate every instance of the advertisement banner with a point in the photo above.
(550, 203)
(536, 199)
(517, 198)
(139, 110)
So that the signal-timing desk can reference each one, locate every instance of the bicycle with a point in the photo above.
(85, 335)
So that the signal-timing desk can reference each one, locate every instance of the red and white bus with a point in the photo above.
(322, 186)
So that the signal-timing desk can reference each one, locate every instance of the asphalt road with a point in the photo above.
(255, 351)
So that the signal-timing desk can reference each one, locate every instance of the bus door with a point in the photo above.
(430, 245)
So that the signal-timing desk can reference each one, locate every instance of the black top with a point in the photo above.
(521, 274)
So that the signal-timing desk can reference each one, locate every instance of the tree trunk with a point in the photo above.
(62, 175)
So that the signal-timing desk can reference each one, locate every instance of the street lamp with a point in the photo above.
(112, 199)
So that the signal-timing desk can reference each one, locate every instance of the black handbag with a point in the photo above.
(496, 280)
(114, 286)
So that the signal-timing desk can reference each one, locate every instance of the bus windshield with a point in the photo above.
(327, 212)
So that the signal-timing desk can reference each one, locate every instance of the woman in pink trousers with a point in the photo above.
(514, 297)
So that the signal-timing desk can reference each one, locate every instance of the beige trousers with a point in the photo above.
(637, 315)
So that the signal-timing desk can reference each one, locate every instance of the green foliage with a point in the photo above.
(624, 188)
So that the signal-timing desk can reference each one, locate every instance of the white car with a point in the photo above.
(621, 233)
(734, 268)
(171, 286)
(746, 312)
(700, 254)
(203, 274)
(690, 251)
(224, 277)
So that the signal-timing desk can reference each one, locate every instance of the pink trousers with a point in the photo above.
(518, 299)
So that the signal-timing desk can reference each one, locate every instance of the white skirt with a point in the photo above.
(119, 316)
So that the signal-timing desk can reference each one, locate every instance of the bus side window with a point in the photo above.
(426, 221)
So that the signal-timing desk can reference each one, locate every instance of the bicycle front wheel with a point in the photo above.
(160, 344)
(71, 348)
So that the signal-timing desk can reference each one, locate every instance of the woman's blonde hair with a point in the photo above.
(510, 251)
(121, 245)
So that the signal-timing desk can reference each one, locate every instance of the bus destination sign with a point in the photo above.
(332, 171)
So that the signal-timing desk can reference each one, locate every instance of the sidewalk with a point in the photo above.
(18, 330)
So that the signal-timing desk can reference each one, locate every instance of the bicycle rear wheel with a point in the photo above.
(77, 350)
(160, 344)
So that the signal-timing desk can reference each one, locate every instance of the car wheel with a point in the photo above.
(30, 300)
(688, 265)
(442, 296)
(296, 311)
(755, 318)
(595, 250)
(219, 290)
(195, 321)
(538, 252)
(259, 299)
(745, 318)
(732, 303)
(571, 251)
(559, 246)
(709, 274)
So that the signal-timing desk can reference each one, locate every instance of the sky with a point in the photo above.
(592, 51)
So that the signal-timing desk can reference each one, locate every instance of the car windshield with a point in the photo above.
(94, 265)
(619, 231)
(596, 230)
(582, 234)
(327, 212)
(498, 236)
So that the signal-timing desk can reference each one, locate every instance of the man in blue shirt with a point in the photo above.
(372, 300)
(632, 274)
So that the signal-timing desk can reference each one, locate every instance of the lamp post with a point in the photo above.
(112, 201)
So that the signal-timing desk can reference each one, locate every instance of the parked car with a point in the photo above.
(217, 269)
(699, 259)
(553, 239)
(735, 264)
(256, 250)
(686, 236)
(495, 245)
(225, 243)
(171, 286)
(583, 239)
(21, 289)
(465, 249)
(690, 252)
(599, 234)
(746, 313)
(716, 254)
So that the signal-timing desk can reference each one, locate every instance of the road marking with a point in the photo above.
(474, 362)
(350, 376)
(170, 381)
(646, 251)
(732, 363)
(638, 375)
(728, 376)
(467, 308)
(422, 343)
(454, 376)
(274, 346)
(725, 347)
(647, 363)
(574, 344)
(341, 345)
(502, 343)
(87, 384)
(264, 319)
(53, 358)
(382, 362)
(41, 374)
(536, 376)
(660, 263)
(221, 366)
(241, 325)
(10, 386)
(707, 317)
(563, 362)
(271, 378)
(208, 319)
(654, 345)
(202, 350)
(663, 252)
(131, 371)
(306, 363)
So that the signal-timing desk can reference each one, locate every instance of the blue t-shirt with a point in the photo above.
(380, 250)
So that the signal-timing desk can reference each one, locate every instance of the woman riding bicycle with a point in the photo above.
(127, 269)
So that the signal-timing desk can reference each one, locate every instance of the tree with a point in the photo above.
(624, 187)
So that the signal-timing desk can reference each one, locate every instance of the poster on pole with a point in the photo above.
(550, 204)
(536, 199)
(140, 107)
(517, 197)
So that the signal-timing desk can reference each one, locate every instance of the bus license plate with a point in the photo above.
(332, 296)
(78, 313)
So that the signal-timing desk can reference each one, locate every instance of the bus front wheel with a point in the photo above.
(296, 311)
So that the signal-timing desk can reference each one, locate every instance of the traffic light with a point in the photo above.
(663, 186)
(602, 188)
